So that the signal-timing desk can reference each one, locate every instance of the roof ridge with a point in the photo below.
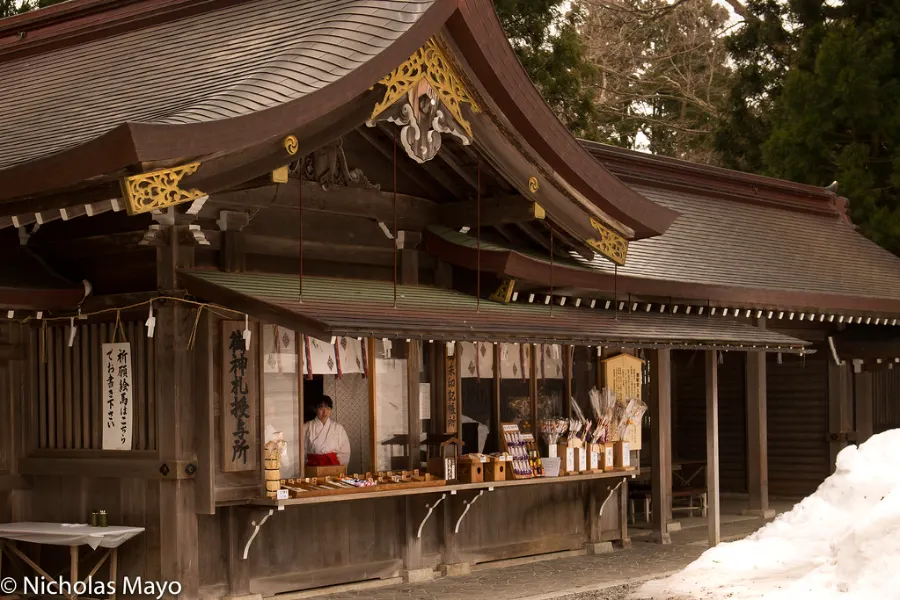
(727, 184)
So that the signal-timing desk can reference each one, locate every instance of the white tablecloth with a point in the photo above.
(68, 534)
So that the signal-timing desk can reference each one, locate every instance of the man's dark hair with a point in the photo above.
(325, 401)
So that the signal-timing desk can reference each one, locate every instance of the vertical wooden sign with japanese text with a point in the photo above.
(623, 374)
(117, 406)
(452, 397)
(240, 451)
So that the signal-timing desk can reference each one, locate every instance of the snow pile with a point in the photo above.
(842, 542)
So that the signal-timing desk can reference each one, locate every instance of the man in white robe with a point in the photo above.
(324, 436)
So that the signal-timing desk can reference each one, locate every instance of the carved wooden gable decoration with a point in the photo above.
(424, 97)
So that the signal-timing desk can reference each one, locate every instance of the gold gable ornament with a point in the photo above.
(611, 245)
(157, 190)
(424, 97)
(504, 292)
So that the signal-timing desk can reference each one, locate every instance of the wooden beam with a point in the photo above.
(385, 147)
(494, 211)
(421, 177)
(413, 213)
(661, 442)
(712, 447)
(757, 433)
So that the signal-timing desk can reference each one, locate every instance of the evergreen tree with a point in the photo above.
(838, 114)
(547, 42)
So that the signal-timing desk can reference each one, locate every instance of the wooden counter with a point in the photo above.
(414, 491)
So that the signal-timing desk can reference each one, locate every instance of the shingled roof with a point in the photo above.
(94, 90)
(206, 67)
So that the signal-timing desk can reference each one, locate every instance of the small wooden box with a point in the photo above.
(326, 471)
(607, 457)
(495, 470)
(581, 459)
(567, 464)
(621, 455)
(470, 470)
(443, 468)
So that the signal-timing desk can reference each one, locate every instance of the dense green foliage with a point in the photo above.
(818, 100)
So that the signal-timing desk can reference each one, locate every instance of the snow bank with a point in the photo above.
(842, 542)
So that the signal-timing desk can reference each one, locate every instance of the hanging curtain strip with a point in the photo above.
(395, 217)
(301, 229)
(277, 348)
(477, 362)
(309, 373)
(551, 271)
(365, 358)
(337, 357)
(522, 360)
(616, 290)
(478, 238)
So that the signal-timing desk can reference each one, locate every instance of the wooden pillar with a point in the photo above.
(414, 421)
(661, 443)
(840, 408)
(712, 446)
(757, 434)
(865, 406)
(233, 247)
(175, 412)
(237, 534)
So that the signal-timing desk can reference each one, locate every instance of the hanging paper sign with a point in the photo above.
(117, 406)
(343, 356)
(239, 401)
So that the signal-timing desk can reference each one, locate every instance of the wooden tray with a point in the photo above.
(315, 492)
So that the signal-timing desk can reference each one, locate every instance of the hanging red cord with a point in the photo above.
(301, 229)
(395, 218)
(478, 238)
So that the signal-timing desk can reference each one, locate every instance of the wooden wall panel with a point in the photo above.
(68, 383)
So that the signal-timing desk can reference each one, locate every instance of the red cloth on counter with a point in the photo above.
(322, 460)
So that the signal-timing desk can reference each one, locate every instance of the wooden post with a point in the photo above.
(712, 446)
(757, 434)
(205, 398)
(373, 429)
(237, 522)
(840, 407)
(495, 401)
(179, 536)
(661, 442)
(301, 398)
(414, 420)
(865, 406)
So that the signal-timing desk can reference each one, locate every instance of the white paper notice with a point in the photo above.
(424, 401)
(117, 407)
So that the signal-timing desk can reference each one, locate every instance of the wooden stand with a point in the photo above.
(517, 450)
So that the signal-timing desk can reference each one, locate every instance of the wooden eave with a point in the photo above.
(510, 264)
(729, 185)
(234, 150)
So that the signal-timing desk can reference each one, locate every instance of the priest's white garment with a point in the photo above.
(323, 438)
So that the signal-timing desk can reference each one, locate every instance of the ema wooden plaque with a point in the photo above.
(623, 375)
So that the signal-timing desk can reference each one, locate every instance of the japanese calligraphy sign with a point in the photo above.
(451, 406)
(116, 390)
(623, 375)
(238, 414)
